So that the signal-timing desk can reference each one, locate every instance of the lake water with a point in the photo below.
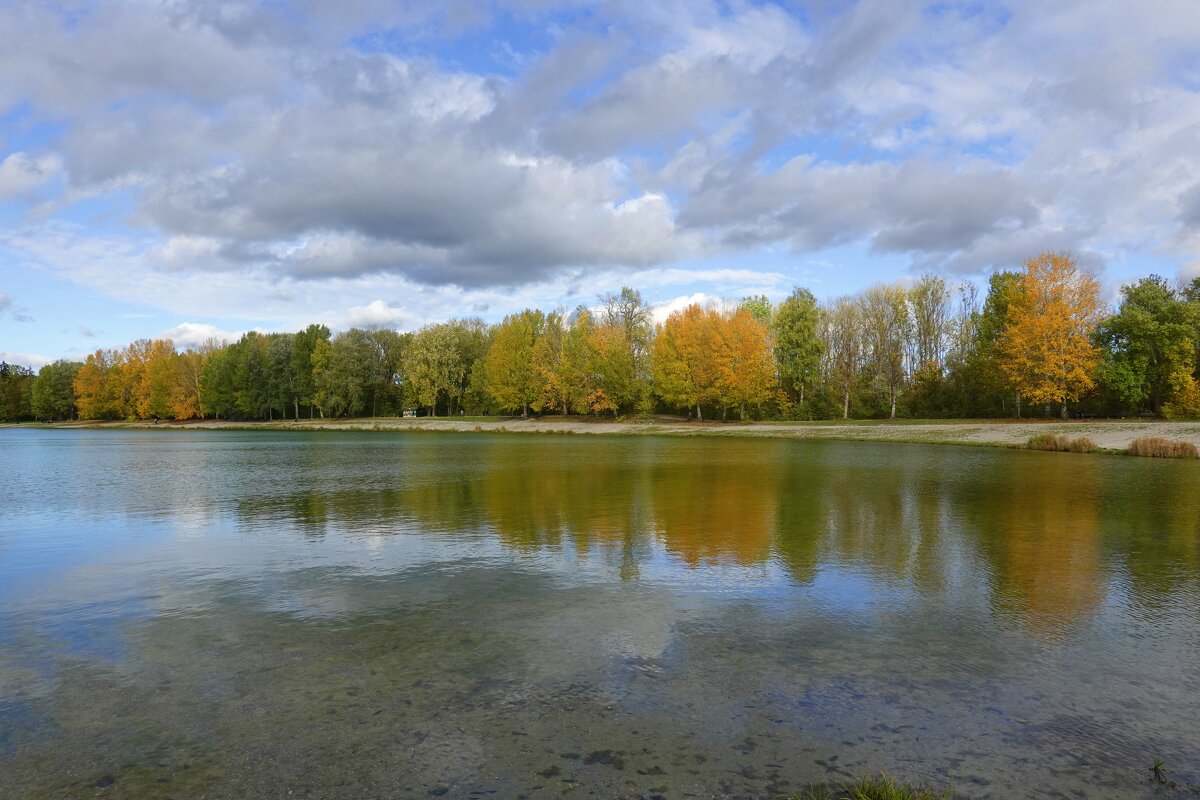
(256, 614)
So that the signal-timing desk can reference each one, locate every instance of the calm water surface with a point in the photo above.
(226, 614)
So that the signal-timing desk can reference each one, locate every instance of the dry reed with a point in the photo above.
(1159, 447)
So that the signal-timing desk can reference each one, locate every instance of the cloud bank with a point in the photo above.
(419, 151)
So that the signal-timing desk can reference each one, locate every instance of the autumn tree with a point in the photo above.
(798, 347)
(610, 372)
(685, 371)
(185, 399)
(555, 377)
(1046, 350)
(744, 360)
(512, 380)
(97, 386)
(629, 312)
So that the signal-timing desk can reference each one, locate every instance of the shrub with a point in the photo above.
(1082, 444)
(1159, 447)
(1060, 443)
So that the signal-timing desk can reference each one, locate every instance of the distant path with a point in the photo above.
(1107, 434)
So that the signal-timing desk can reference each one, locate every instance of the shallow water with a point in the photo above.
(267, 614)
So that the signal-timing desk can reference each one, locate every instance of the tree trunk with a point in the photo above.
(699, 415)
(802, 394)
(1018, 406)
(524, 410)
(846, 404)
(893, 416)
(1064, 409)
(296, 405)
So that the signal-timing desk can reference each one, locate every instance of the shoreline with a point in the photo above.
(1111, 436)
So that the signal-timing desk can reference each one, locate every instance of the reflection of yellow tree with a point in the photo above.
(1038, 525)
(534, 497)
(713, 510)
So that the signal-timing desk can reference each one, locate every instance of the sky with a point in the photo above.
(192, 168)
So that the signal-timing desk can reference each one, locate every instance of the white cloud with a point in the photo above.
(194, 334)
(375, 314)
(20, 173)
(278, 174)
(34, 361)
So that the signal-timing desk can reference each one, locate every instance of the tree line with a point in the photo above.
(1040, 339)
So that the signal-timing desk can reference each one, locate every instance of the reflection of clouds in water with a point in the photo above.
(842, 585)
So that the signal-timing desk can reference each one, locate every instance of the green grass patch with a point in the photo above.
(881, 788)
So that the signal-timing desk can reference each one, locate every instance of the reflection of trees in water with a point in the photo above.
(1041, 531)
(1036, 523)
(1151, 511)
(889, 522)
(716, 511)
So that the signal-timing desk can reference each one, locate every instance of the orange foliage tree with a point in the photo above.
(745, 361)
(1046, 350)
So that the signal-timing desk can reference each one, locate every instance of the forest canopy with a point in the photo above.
(1038, 342)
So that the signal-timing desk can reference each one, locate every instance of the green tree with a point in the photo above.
(251, 377)
(218, 388)
(16, 392)
(470, 338)
(432, 366)
(53, 393)
(348, 374)
(759, 307)
(304, 344)
(798, 346)
(1149, 344)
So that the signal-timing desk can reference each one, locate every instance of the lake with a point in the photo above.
(271, 614)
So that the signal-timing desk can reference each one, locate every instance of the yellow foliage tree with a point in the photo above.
(745, 360)
(97, 386)
(1046, 350)
(686, 373)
